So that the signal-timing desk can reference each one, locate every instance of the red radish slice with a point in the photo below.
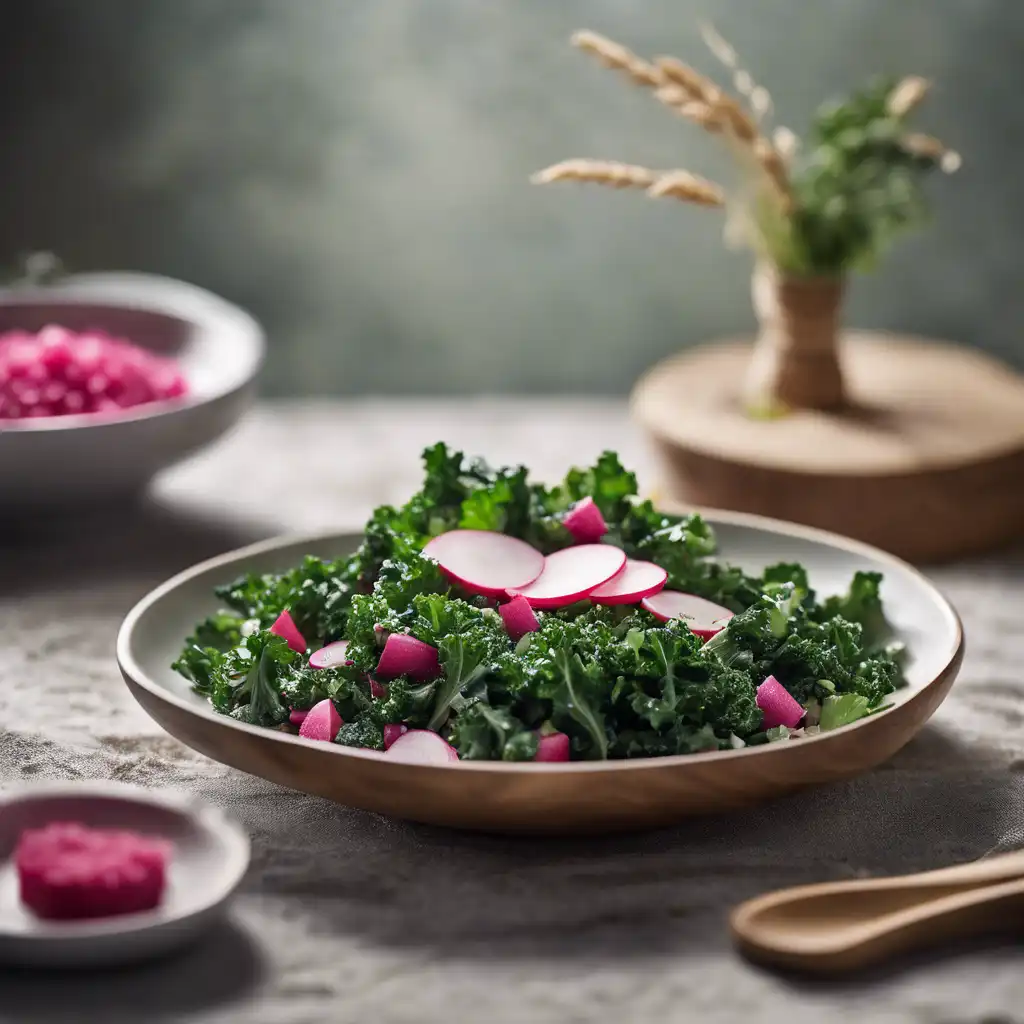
(635, 580)
(780, 707)
(298, 717)
(378, 690)
(406, 656)
(284, 626)
(571, 574)
(705, 618)
(484, 562)
(585, 522)
(553, 747)
(421, 746)
(518, 618)
(330, 656)
(322, 722)
(392, 732)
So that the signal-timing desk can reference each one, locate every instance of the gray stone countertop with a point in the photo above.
(349, 917)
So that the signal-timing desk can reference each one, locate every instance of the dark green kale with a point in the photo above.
(862, 603)
(249, 679)
(364, 733)
(485, 733)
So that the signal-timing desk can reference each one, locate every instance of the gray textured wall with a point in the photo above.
(355, 171)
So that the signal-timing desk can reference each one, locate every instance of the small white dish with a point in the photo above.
(63, 461)
(210, 858)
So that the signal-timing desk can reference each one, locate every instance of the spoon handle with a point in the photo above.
(930, 922)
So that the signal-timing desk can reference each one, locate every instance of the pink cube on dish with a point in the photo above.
(68, 871)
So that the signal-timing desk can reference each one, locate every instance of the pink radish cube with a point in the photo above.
(780, 707)
(705, 618)
(572, 574)
(406, 656)
(553, 747)
(284, 626)
(392, 732)
(485, 562)
(633, 582)
(421, 746)
(330, 656)
(298, 717)
(67, 871)
(378, 690)
(585, 522)
(322, 722)
(518, 617)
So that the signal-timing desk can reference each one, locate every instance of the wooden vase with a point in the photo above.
(795, 364)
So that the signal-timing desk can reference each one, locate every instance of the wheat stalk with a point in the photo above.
(907, 95)
(675, 184)
(617, 57)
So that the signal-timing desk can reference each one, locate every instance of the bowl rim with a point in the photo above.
(135, 675)
(152, 293)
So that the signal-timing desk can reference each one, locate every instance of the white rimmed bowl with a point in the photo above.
(67, 460)
(209, 860)
(569, 798)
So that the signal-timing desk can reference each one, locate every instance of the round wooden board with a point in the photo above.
(927, 462)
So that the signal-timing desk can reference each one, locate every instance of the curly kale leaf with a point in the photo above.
(862, 603)
(466, 659)
(484, 733)
(577, 691)
(200, 666)
(363, 733)
(407, 703)
(249, 681)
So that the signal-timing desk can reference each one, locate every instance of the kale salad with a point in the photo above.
(495, 618)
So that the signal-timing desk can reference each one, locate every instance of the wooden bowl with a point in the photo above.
(573, 798)
(65, 461)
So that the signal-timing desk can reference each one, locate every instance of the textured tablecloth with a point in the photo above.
(349, 917)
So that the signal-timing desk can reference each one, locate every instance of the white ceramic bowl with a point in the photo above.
(68, 460)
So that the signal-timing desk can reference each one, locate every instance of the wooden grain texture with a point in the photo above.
(837, 927)
(928, 427)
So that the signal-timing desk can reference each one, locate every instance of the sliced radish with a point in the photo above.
(484, 562)
(298, 717)
(392, 732)
(322, 722)
(421, 746)
(330, 656)
(571, 574)
(406, 656)
(553, 747)
(518, 617)
(585, 522)
(378, 690)
(705, 618)
(284, 626)
(780, 707)
(634, 581)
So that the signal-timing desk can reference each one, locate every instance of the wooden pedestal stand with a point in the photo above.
(916, 446)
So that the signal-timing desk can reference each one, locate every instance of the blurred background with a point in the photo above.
(356, 174)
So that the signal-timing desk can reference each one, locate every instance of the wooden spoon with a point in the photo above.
(842, 926)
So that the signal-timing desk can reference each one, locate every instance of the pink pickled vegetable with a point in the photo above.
(330, 656)
(284, 626)
(780, 707)
(518, 617)
(378, 690)
(705, 618)
(484, 562)
(406, 656)
(553, 747)
(59, 372)
(322, 722)
(392, 732)
(67, 871)
(571, 574)
(585, 522)
(297, 717)
(421, 746)
(634, 581)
